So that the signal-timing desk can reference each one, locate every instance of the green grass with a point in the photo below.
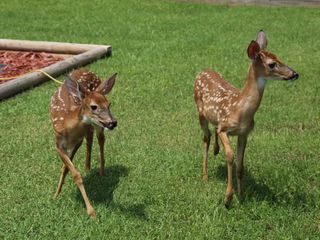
(153, 188)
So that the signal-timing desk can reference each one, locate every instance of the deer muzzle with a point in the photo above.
(294, 76)
(110, 125)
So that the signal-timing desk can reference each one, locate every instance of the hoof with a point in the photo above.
(227, 205)
(216, 151)
(56, 195)
(227, 201)
(205, 178)
(92, 214)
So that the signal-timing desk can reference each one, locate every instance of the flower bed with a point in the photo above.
(14, 64)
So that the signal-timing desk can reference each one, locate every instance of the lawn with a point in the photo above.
(153, 188)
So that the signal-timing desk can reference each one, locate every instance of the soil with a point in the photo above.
(14, 64)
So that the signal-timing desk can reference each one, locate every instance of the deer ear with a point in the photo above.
(74, 88)
(106, 86)
(262, 39)
(253, 50)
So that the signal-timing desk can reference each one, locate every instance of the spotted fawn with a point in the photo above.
(78, 108)
(232, 111)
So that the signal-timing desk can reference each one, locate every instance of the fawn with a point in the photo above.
(232, 111)
(77, 108)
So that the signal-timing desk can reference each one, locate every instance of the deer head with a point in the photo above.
(268, 65)
(95, 108)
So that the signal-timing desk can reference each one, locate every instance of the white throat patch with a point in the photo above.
(86, 120)
(90, 121)
(261, 83)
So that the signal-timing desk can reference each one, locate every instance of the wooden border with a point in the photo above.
(86, 53)
(297, 3)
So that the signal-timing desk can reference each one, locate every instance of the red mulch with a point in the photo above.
(20, 63)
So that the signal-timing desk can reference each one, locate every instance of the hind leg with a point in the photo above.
(206, 144)
(216, 142)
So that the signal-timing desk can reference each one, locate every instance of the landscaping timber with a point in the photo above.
(86, 54)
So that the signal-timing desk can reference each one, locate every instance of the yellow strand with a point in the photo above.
(52, 78)
(41, 71)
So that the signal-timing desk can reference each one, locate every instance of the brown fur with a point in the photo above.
(72, 119)
(232, 111)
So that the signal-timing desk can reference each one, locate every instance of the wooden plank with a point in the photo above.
(32, 79)
(49, 47)
(61, 55)
(309, 3)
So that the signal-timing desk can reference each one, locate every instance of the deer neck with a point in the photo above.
(252, 92)
(77, 113)
(83, 119)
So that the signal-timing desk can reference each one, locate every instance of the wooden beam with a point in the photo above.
(50, 47)
(17, 85)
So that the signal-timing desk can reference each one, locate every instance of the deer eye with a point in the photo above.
(93, 107)
(272, 65)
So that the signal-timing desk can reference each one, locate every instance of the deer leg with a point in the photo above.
(101, 141)
(78, 180)
(89, 140)
(241, 146)
(64, 171)
(229, 155)
(206, 144)
(216, 142)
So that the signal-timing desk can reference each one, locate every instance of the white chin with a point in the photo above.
(106, 129)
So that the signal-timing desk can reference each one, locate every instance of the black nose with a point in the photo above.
(112, 125)
(295, 76)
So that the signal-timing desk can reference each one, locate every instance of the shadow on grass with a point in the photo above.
(100, 190)
(135, 210)
(254, 191)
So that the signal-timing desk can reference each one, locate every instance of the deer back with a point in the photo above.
(216, 99)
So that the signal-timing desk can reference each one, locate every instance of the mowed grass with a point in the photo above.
(153, 188)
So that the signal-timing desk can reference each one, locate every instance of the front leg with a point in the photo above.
(78, 180)
(101, 141)
(229, 155)
(89, 140)
(241, 146)
(64, 170)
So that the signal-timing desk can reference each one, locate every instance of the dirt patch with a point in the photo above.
(14, 64)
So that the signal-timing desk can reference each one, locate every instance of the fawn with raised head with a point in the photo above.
(232, 111)
(77, 108)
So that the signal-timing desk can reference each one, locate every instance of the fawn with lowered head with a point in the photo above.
(78, 108)
(232, 111)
